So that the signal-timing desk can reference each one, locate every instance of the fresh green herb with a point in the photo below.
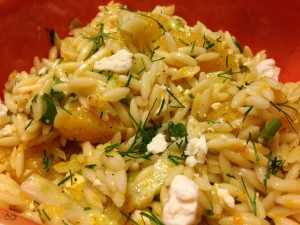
(252, 200)
(17, 81)
(155, 60)
(276, 165)
(183, 42)
(244, 69)
(50, 110)
(46, 161)
(101, 114)
(99, 38)
(111, 147)
(237, 44)
(287, 116)
(212, 121)
(207, 44)
(267, 176)
(176, 99)
(175, 159)
(250, 138)
(210, 212)
(44, 72)
(193, 46)
(129, 218)
(60, 60)
(142, 70)
(91, 166)
(161, 107)
(269, 131)
(177, 130)
(151, 216)
(160, 25)
(191, 96)
(52, 36)
(229, 73)
(230, 175)
(273, 167)
(142, 138)
(219, 39)
(64, 222)
(125, 101)
(244, 85)
(46, 215)
(70, 177)
(179, 144)
(28, 125)
(152, 53)
(87, 208)
(247, 112)
(109, 77)
(229, 124)
(226, 60)
(128, 80)
(57, 94)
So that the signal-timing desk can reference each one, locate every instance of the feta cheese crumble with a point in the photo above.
(225, 197)
(7, 130)
(196, 151)
(120, 62)
(267, 68)
(158, 144)
(181, 209)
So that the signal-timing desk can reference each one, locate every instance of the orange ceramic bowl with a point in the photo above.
(270, 25)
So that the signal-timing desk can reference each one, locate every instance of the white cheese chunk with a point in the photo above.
(181, 209)
(267, 68)
(120, 62)
(7, 130)
(224, 196)
(158, 144)
(216, 105)
(196, 151)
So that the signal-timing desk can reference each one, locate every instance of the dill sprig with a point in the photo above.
(160, 25)
(99, 40)
(111, 147)
(151, 216)
(161, 106)
(252, 200)
(46, 161)
(70, 177)
(237, 44)
(175, 159)
(247, 112)
(176, 99)
(273, 167)
(279, 106)
(142, 138)
(207, 44)
(129, 218)
(251, 139)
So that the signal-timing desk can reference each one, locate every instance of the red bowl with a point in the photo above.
(270, 25)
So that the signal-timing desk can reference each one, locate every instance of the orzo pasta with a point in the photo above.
(139, 118)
